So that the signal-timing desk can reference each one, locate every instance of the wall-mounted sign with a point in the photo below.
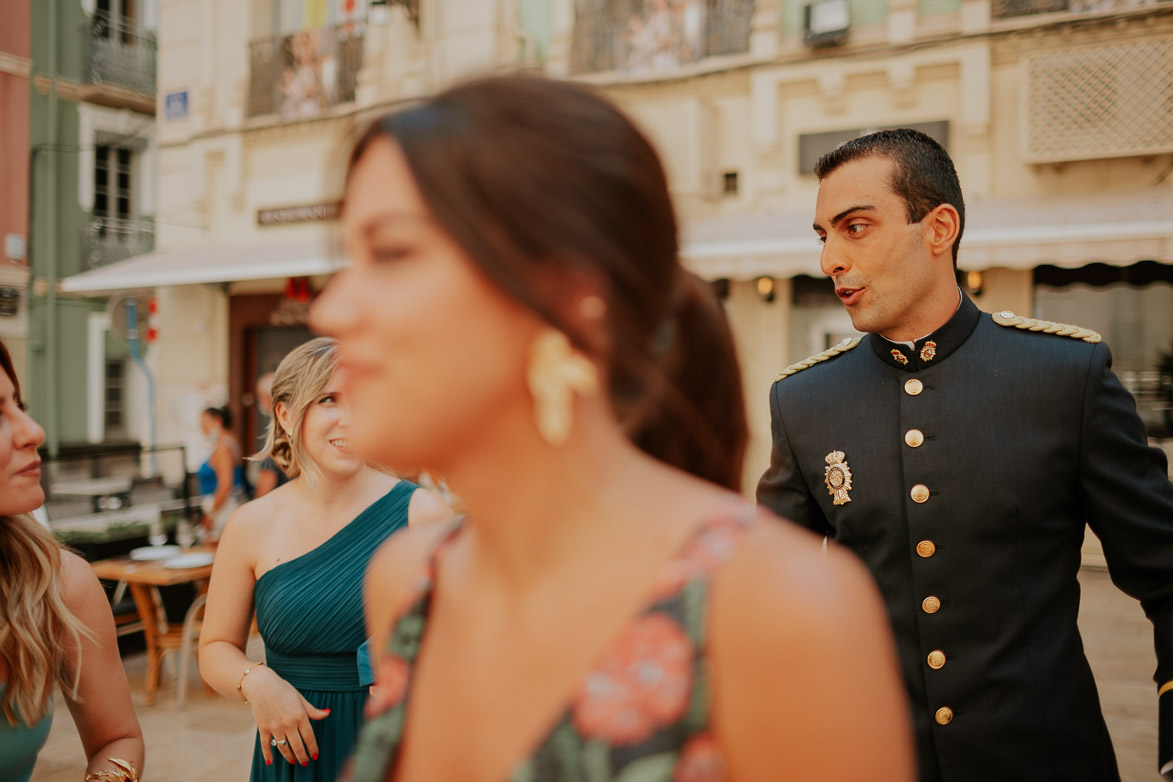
(14, 247)
(175, 105)
(306, 213)
(812, 146)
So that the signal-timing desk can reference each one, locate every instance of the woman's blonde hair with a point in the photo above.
(39, 635)
(300, 378)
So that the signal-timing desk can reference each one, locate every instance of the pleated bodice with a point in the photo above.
(310, 615)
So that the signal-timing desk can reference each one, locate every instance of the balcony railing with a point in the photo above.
(119, 54)
(1011, 9)
(301, 75)
(106, 240)
(634, 37)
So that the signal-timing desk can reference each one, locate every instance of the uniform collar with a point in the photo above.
(933, 349)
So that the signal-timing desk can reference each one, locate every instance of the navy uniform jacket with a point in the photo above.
(975, 461)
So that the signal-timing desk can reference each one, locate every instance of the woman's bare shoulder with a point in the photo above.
(798, 639)
(427, 506)
(399, 560)
(251, 526)
(257, 516)
(788, 569)
(80, 588)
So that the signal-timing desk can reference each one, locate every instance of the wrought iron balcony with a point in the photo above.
(301, 75)
(119, 54)
(656, 37)
(106, 240)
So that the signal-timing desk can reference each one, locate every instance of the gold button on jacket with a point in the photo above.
(914, 437)
(913, 387)
(926, 548)
(931, 605)
(920, 493)
(944, 715)
(936, 659)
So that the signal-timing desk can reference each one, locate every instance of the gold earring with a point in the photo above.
(555, 372)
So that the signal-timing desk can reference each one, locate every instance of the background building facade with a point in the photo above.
(1057, 112)
(90, 154)
(15, 71)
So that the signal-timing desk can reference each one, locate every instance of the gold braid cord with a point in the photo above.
(818, 358)
(1046, 327)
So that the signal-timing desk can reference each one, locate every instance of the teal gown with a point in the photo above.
(310, 616)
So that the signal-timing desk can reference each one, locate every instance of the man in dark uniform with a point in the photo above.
(960, 455)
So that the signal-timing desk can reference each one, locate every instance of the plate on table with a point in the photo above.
(151, 553)
(194, 559)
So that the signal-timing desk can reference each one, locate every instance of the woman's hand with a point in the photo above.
(282, 713)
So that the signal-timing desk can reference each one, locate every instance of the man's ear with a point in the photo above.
(942, 225)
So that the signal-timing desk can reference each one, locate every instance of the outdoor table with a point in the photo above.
(142, 578)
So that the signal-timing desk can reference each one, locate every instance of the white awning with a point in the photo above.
(1117, 229)
(207, 265)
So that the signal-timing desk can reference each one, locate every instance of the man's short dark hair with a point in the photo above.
(924, 176)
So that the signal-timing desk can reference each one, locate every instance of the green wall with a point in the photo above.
(537, 19)
(58, 235)
(935, 7)
(72, 31)
(863, 12)
(72, 367)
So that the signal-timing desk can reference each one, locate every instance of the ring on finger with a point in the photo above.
(277, 743)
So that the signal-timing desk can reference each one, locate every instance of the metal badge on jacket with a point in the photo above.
(838, 478)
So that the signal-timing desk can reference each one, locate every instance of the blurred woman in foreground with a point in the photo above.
(517, 319)
(55, 623)
(296, 556)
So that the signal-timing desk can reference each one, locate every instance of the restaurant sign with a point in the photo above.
(305, 213)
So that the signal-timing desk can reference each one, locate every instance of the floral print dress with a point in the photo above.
(642, 712)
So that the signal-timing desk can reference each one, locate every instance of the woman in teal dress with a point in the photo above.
(55, 623)
(296, 557)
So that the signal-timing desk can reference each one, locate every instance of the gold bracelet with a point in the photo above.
(1166, 687)
(240, 683)
(126, 772)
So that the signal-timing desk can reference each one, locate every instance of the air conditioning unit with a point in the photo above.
(826, 22)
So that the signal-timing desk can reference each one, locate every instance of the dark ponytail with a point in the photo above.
(691, 413)
(221, 414)
(545, 184)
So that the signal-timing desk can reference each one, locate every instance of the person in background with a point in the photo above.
(517, 320)
(963, 455)
(221, 477)
(296, 557)
(55, 623)
(269, 475)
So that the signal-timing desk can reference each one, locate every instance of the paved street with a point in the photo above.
(1119, 643)
(212, 738)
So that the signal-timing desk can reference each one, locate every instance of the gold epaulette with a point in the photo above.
(817, 358)
(1007, 318)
